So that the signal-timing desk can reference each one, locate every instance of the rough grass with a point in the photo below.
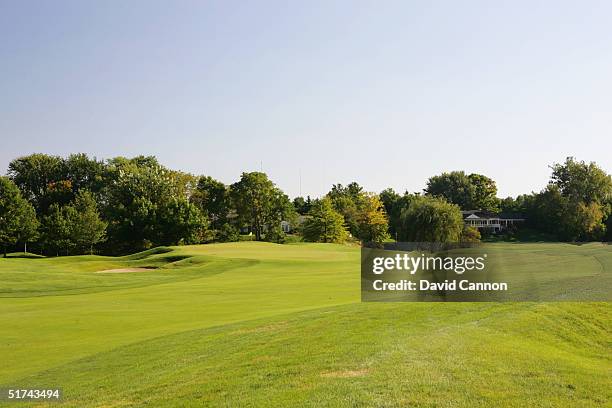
(254, 324)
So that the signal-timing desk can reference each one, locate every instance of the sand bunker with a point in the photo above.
(125, 270)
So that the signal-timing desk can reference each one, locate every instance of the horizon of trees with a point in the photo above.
(78, 204)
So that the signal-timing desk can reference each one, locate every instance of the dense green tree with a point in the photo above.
(324, 223)
(45, 179)
(186, 183)
(394, 205)
(352, 190)
(28, 225)
(139, 189)
(431, 219)
(259, 203)
(181, 222)
(389, 198)
(86, 229)
(522, 207)
(227, 233)
(508, 204)
(17, 218)
(349, 209)
(456, 187)
(252, 198)
(275, 233)
(484, 193)
(588, 191)
(146, 206)
(364, 213)
(511, 205)
(576, 203)
(551, 212)
(307, 205)
(281, 209)
(546, 212)
(55, 229)
(301, 205)
(587, 221)
(469, 192)
(213, 198)
(373, 224)
(582, 182)
(36, 176)
(348, 201)
(84, 174)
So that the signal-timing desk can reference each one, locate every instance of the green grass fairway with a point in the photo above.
(259, 324)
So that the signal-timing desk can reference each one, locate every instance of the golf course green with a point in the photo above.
(260, 324)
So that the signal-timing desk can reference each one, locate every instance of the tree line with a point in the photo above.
(576, 204)
(78, 204)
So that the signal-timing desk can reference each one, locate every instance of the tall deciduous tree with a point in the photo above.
(17, 218)
(576, 204)
(469, 192)
(281, 209)
(301, 205)
(324, 223)
(85, 226)
(348, 201)
(36, 175)
(580, 181)
(212, 197)
(27, 231)
(259, 203)
(181, 222)
(372, 220)
(45, 180)
(84, 173)
(146, 206)
(587, 221)
(394, 205)
(389, 198)
(484, 194)
(456, 187)
(55, 228)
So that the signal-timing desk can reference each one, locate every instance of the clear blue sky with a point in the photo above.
(384, 93)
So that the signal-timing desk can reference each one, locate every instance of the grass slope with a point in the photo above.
(256, 324)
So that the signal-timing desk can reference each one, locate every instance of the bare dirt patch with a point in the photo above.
(345, 373)
(125, 270)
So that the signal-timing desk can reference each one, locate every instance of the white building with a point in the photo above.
(494, 222)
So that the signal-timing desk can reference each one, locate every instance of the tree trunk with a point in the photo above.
(25, 247)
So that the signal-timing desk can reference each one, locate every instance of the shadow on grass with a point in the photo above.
(23, 255)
